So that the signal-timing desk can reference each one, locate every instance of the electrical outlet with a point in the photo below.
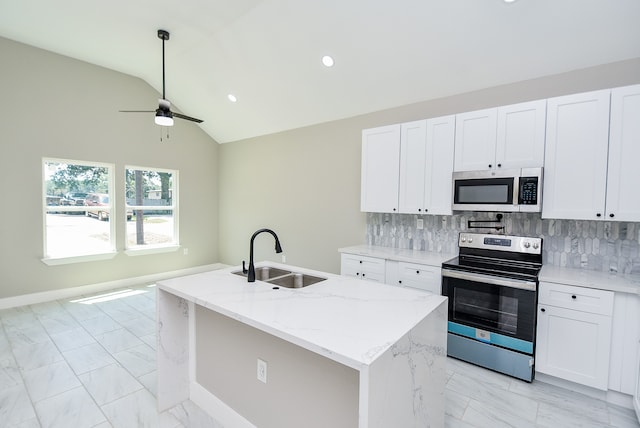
(262, 371)
(284, 258)
(420, 224)
(185, 251)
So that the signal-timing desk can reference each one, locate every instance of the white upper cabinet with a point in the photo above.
(439, 165)
(593, 143)
(623, 176)
(520, 136)
(475, 146)
(380, 169)
(413, 151)
(506, 137)
(426, 164)
(407, 168)
(575, 173)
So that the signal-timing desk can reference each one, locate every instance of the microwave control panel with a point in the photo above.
(528, 192)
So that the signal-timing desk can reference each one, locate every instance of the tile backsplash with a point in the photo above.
(593, 245)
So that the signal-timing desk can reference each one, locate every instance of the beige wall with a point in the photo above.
(305, 183)
(54, 106)
(303, 389)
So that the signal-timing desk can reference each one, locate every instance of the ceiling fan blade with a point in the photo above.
(137, 111)
(182, 116)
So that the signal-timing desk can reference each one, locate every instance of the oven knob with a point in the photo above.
(526, 244)
(470, 240)
(535, 246)
(463, 239)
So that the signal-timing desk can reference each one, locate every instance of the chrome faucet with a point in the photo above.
(251, 273)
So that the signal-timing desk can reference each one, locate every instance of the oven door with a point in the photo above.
(491, 309)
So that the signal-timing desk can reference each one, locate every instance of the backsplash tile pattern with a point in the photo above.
(593, 245)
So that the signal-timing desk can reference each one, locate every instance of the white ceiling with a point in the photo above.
(388, 52)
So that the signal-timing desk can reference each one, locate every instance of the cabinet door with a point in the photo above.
(423, 277)
(439, 165)
(636, 395)
(576, 156)
(623, 178)
(413, 142)
(573, 345)
(625, 334)
(475, 147)
(380, 169)
(520, 135)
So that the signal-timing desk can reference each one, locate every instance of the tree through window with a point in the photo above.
(152, 196)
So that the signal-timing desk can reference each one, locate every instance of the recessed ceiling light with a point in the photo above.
(509, 1)
(327, 61)
(232, 98)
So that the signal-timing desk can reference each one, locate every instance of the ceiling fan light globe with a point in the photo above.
(164, 118)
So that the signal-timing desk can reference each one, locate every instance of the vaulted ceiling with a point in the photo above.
(268, 52)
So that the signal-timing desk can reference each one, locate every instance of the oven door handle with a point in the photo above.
(489, 279)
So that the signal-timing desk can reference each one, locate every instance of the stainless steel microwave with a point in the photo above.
(509, 190)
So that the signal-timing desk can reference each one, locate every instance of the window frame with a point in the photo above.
(174, 208)
(75, 258)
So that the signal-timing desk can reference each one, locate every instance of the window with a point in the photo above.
(151, 196)
(77, 209)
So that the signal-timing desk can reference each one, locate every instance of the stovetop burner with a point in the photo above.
(492, 266)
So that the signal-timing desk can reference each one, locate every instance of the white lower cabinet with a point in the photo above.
(363, 267)
(625, 332)
(403, 274)
(574, 333)
(636, 394)
(423, 277)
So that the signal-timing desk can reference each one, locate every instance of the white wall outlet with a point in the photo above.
(185, 251)
(284, 258)
(262, 371)
(420, 224)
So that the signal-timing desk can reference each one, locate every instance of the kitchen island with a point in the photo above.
(341, 352)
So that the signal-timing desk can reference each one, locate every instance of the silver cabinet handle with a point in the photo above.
(488, 279)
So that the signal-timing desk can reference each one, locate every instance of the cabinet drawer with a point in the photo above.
(423, 277)
(576, 298)
(370, 264)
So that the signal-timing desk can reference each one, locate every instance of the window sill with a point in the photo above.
(143, 251)
(55, 261)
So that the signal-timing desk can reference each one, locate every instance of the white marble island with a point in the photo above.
(340, 353)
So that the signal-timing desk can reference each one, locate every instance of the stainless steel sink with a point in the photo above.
(295, 280)
(264, 273)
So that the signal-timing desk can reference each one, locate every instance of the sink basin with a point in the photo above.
(264, 273)
(295, 280)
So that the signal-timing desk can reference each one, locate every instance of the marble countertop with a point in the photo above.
(431, 258)
(622, 283)
(348, 320)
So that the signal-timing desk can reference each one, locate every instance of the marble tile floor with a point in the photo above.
(90, 362)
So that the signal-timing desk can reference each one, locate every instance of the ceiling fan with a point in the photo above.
(164, 115)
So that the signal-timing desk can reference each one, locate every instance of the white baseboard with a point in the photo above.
(63, 293)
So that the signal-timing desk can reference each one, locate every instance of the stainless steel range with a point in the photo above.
(493, 292)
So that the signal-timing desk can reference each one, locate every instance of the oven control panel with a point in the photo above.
(516, 244)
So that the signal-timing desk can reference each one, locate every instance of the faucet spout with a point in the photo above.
(251, 275)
